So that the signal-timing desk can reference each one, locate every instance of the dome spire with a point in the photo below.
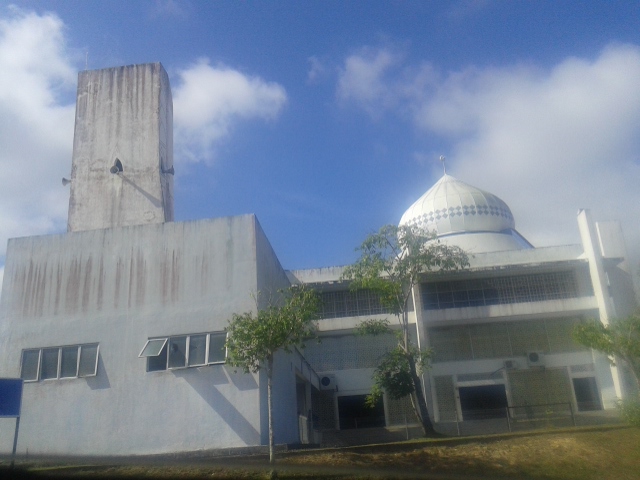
(444, 165)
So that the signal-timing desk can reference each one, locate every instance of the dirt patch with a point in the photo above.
(569, 455)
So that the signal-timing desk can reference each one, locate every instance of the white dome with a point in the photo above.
(452, 207)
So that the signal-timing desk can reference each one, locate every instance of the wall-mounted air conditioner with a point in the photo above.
(328, 382)
(535, 359)
(510, 364)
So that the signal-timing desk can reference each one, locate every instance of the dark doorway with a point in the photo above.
(483, 402)
(587, 396)
(354, 413)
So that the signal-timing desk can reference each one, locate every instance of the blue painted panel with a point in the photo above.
(10, 397)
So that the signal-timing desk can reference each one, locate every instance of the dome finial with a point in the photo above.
(444, 165)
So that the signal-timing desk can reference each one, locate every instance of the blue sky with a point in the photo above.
(327, 118)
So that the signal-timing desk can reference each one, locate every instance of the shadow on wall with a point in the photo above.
(206, 386)
(101, 380)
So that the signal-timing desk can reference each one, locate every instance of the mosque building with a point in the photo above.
(117, 327)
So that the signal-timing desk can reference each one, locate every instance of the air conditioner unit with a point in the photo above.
(535, 359)
(328, 382)
(510, 364)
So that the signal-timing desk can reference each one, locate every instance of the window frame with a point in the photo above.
(164, 344)
(37, 377)
(42, 355)
(167, 340)
(217, 362)
(61, 360)
(206, 350)
(95, 364)
(176, 340)
(79, 349)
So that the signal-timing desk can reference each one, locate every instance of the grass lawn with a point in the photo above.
(580, 454)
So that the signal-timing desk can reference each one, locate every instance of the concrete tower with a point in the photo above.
(122, 167)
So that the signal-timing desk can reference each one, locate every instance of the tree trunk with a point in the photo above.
(418, 401)
(269, 407)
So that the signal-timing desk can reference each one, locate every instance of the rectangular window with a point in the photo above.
(156, 354)
(535, 287)
(348, 303)
(217, 350)
(197, 350)
(88, 365)
(503, 339)
(70, 361)
(69, 365)
(30, 364)
(177, 352)
(158, 362)
(184, 351)
(49, 367)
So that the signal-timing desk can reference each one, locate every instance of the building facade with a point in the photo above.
(500, 330)
(117, 326)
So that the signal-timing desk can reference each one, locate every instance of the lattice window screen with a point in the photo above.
(499, 290)
(503, 339)
(560, 339)
(490, 340)
(450, 344)
(527, 336)
(446, 397)
(527, 388)
(539, 387)
(399, 410)
(348, 351)
(347, 303)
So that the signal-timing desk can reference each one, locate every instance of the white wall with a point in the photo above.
(119, 287)
(124, 113)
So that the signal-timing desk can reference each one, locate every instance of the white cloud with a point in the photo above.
(36, 128)
(317, 69)
(547, 141)
(171, 9)
(208, 101)
(364, 79)
(36, 124)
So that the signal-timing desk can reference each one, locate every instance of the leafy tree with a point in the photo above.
(392, 262)
(621, 338)
(254, 338)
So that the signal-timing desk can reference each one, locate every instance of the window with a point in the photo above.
(198, 350)
(49, 363)
(177, 352)
(184, 351)
(534, 287)
(503, 339)
(69, 362)
(30, 362)
(348, 303)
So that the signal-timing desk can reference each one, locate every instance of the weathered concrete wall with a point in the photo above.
(119, 287)
(124, 113)
(166, 268)
(270, 278)
(271, 275)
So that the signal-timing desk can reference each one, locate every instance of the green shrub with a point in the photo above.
(630, 410)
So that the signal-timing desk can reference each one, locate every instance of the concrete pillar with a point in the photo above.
(608, 375)
(122, 148)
